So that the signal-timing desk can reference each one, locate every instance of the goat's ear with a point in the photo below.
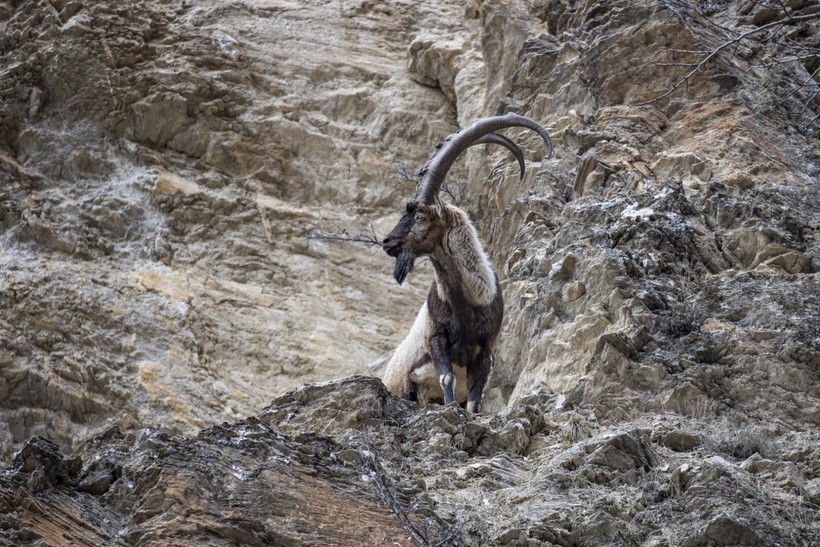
(439, 206)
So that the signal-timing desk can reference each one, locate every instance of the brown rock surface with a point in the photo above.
(164, 164)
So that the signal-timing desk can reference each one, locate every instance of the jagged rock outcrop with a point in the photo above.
(163, 166)
(345, 463)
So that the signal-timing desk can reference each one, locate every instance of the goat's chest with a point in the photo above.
(464, 327)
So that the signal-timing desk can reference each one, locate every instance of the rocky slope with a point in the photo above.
(165, 165)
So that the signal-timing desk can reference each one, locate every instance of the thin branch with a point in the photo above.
(788, 43)
(809, 100)
(771, 37)
(446, 189)
(366, 235)
(405, 172)
(800, 86)
(389, 499)
(689, 51)
(782, 61)
(721, 47)
(710, 22)
(655, 63)
(386, 494)
(811, 77)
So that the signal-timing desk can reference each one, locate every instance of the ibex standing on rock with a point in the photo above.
(460, 321)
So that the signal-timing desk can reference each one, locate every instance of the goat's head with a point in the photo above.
(417, 234)
(423, 225)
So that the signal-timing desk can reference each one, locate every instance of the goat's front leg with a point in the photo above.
(441, 360)
(477, 373)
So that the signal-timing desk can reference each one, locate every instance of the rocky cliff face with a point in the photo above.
(166, 164)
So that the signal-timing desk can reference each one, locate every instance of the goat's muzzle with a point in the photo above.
(391, 246)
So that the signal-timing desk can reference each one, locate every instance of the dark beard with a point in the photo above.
(403, 266)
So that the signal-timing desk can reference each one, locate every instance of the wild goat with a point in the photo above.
(460, 321)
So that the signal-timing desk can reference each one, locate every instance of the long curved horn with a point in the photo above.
(490, 138)
(495, 138)
(433, 173)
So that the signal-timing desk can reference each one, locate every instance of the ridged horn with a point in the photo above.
(433, 173)
(490, 138)
(495, 138)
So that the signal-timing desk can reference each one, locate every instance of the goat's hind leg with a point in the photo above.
(441, 360)
(477, 373)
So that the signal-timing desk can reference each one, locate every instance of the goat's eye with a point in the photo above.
(421, 218)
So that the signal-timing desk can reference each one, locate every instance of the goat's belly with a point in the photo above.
(428, 388)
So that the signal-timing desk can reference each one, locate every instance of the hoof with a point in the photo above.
(474, 407)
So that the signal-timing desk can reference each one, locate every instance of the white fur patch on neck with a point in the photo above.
(464, 251)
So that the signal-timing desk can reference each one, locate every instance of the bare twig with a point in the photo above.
(790, 44)
(811, 78)
(447, 190)
(389, 499)
(385, 492)
(771, 37)
(782, 61)
(404, 171)
(366, 235)
(783, 8)
(673, 64)
(689, 51)
(408, 175)
(808, 102)
(734, 41)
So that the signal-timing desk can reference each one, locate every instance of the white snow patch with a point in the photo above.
(633, 212)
